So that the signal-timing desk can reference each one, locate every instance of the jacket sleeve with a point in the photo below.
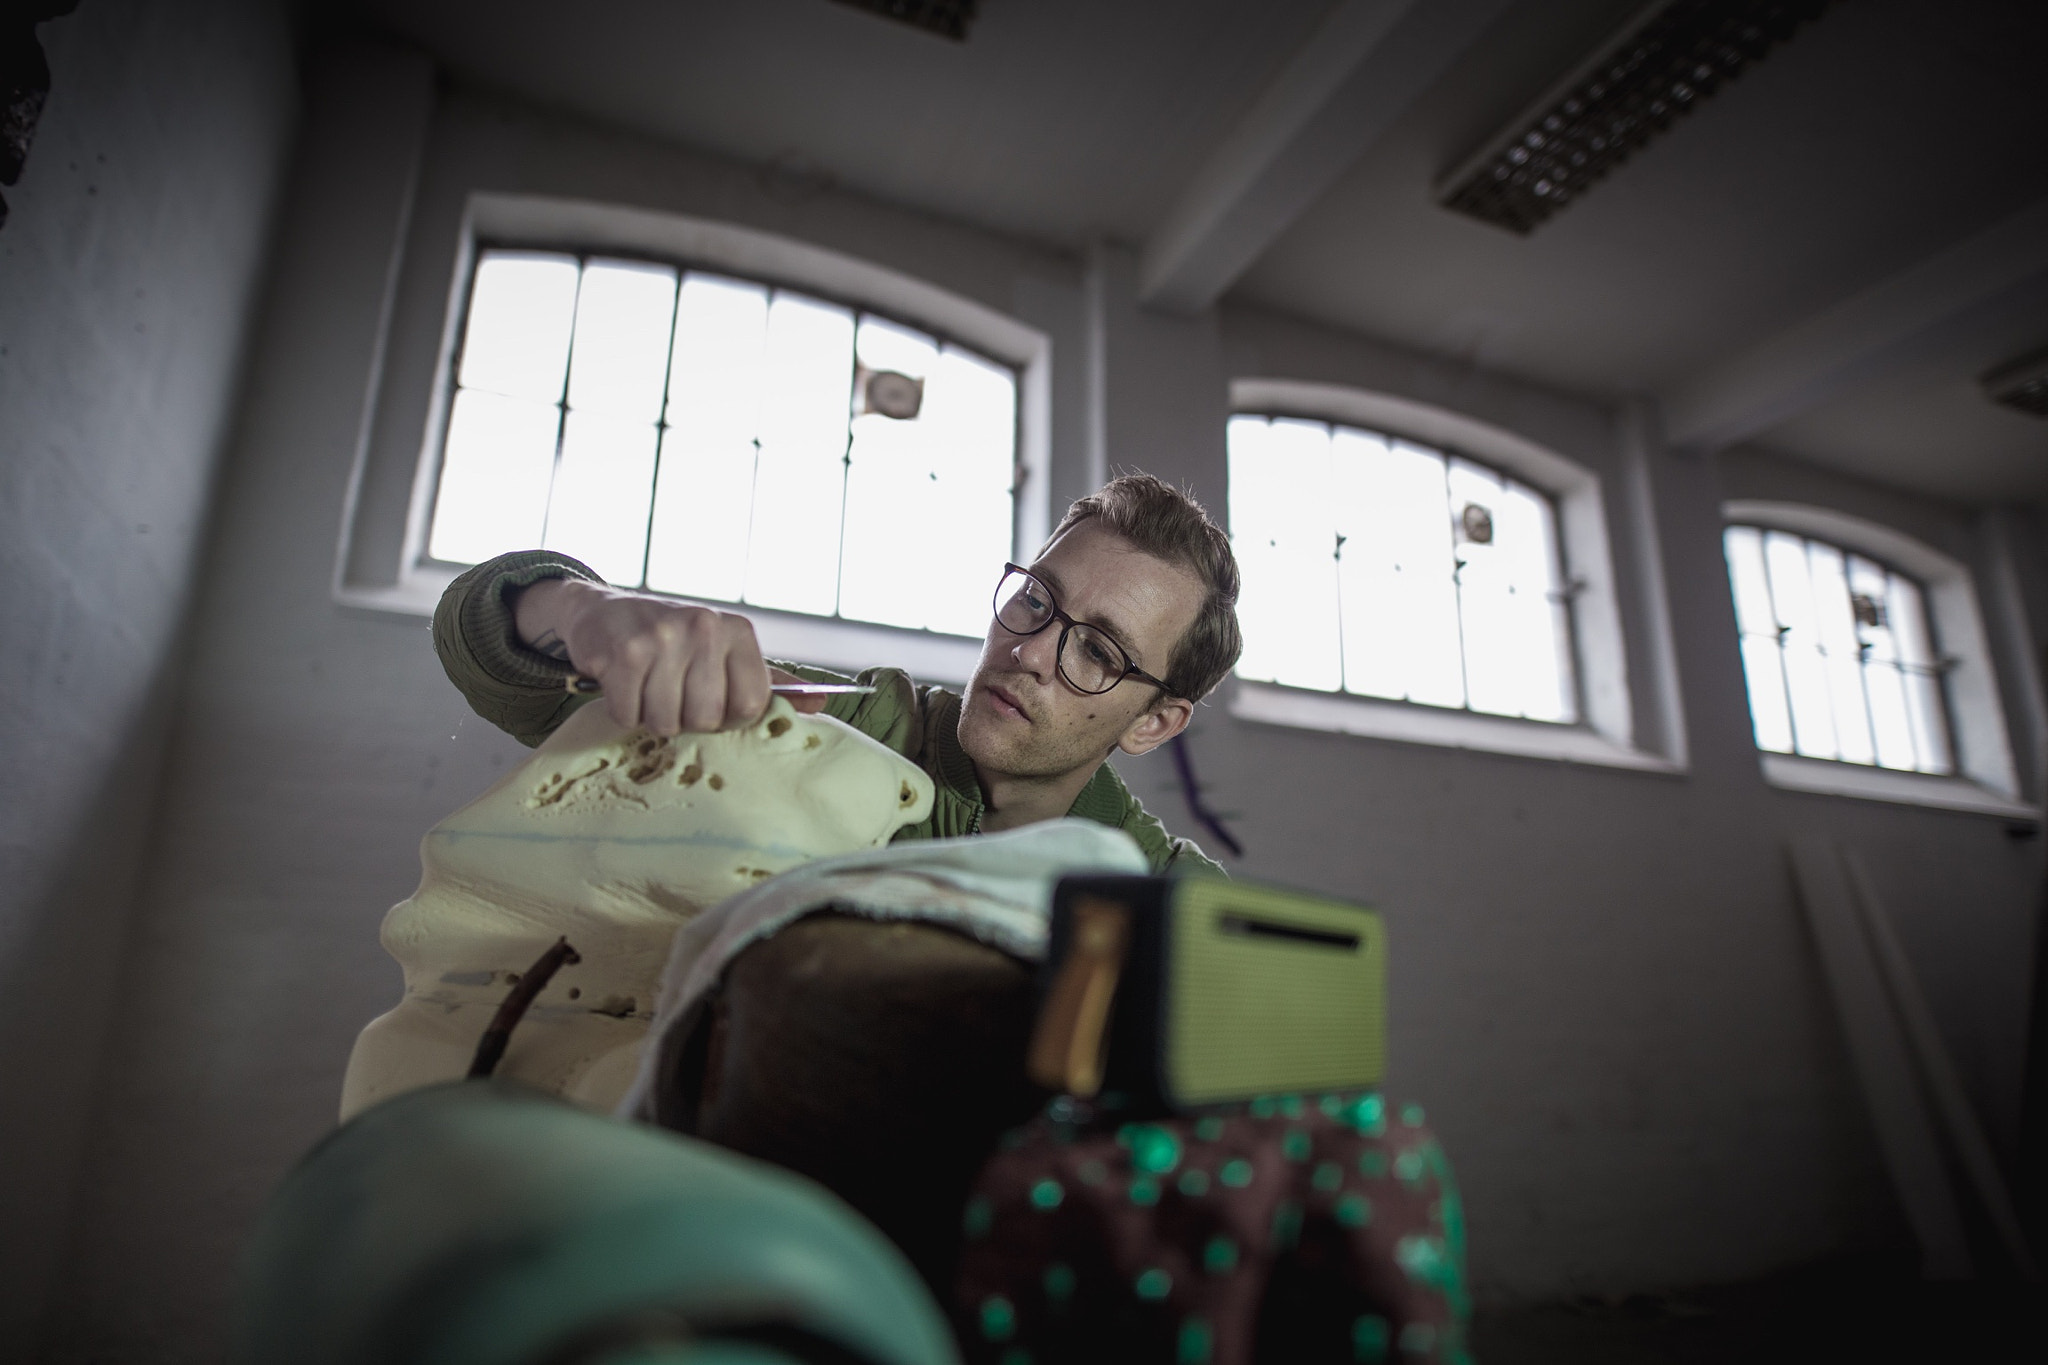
(514, 687)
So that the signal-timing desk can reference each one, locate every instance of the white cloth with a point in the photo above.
(996, 888)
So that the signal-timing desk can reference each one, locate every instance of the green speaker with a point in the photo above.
(1179, 993)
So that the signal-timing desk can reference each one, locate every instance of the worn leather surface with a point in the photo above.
(882, 1060)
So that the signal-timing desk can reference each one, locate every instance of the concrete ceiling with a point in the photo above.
(1818, 261)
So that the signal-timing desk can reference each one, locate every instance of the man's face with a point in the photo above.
(1020, 718)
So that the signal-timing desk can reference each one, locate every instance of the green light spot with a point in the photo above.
(1197, 1343)
(1333, 1106)
(998, 1318)
(1154, 1285)
(1126, 1135)
(1425, 1261)
(1209, 1130)
(1145, 1190)
(1411, 1114)
(1296, 1145)
(979, 1218)
(1329, 1177)
(1219, 1257)
(1153, 1149)
(1372, 1165)
(1369, 1115)
(1290, 1105)
(1193, 1183)
(1236, 1173)
(1354, 1211)
(1369, 1335)
(1047, 1194)
(1286, 1226)
(1059, 1283)
(1093, 1173)
(1418, 1339)
(1408, 1168)
(1262, 1107)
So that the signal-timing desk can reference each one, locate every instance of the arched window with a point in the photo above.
(1839, 653)
(724, 438)
(1384, 567)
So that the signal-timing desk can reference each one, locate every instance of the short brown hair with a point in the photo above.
(1167, 523)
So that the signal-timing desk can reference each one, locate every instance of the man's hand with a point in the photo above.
(665, 665)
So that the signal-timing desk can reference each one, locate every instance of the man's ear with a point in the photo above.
(1167, 718)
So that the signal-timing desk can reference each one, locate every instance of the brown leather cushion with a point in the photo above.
(882, 1059)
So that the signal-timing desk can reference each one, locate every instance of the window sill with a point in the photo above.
(1789, 772)
(824, 641)
(1409, 723)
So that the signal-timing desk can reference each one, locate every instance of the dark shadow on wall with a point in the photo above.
(59, 1003)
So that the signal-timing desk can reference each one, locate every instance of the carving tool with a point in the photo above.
(583, 686)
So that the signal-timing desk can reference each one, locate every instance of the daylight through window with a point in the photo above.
(1377, 566)
(717, 438)
(1838, 654)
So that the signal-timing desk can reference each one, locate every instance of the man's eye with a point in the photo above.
(1037, 604)
(1098, 655)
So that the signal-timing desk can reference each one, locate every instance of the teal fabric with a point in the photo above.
(479, 1223)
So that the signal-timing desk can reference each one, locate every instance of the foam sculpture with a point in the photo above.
(613, 839)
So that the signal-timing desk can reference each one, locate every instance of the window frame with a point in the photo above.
(382, 563)
(1985, 779)
(1604, 734)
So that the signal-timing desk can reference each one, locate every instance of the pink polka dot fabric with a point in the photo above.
(1298, 1228)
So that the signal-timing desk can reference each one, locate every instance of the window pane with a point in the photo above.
(703, 506)
(891, 487)
(1769, 710)
(1285, 541)
(1922, 677)
(620, 357)
(516, 344)
(1842, 651)
(879, 344)
(603, 486)
(718, 373)
(1757, 626)
(793, 549)
(495, 469)
(809, 361)
(1401, 636)
(1806, 674)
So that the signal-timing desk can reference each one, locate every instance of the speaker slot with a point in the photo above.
(1247, 927)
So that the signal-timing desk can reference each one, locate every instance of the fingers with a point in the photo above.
(670, 666)
(746, 688)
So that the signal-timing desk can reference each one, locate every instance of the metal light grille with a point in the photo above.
(1838, 655)
(1384, 568)
(1660, 68)
(725, 439)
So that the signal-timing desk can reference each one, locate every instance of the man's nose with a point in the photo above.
(1039, 654)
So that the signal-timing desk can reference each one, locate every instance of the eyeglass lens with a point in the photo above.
(1090, 660)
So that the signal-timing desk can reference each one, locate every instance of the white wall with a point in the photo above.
(1603, 989)
(127, 269)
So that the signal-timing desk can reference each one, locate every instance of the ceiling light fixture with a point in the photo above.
(947, 18)
(2021, 385)
(1659, 66)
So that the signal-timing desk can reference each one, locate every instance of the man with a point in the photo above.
(1105, 641)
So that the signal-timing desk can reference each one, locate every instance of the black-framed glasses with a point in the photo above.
(1088, 658)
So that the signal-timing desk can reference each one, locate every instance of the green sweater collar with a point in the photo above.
(1103, 799)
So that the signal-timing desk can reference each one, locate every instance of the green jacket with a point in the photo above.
(520, 691)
